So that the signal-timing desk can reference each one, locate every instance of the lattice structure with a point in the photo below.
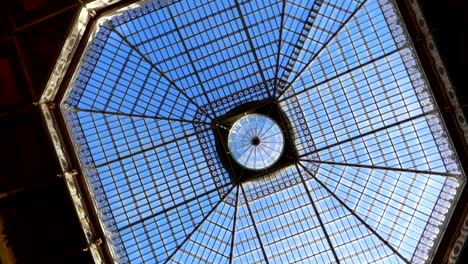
(375, 177)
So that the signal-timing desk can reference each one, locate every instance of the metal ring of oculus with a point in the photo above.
(256, 142)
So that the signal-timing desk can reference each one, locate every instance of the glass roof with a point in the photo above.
(255, 141)
(376, 177)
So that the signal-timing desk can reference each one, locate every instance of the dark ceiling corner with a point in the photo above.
(448, 24)
(14, 93)
(39, 45)
(41, 226)
(39, 222)
(28, 155)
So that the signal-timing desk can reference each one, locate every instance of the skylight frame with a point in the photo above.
(46, 109)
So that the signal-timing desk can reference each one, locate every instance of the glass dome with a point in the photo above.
(375, 178)
(256, 142)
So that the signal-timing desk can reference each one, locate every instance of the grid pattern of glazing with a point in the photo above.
(376, 176)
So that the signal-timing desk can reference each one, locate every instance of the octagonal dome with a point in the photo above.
(375, 177)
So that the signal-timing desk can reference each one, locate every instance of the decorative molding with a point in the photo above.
(70, 181)
(441, 69)
(68, 51)
(450, 93)
(84, 17)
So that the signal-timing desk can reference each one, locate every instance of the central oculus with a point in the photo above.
(255, 141)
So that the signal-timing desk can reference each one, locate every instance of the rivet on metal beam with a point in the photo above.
(72, 173)
(97, 243)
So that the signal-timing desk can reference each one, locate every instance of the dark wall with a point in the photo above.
(39, 222)
(448, 21)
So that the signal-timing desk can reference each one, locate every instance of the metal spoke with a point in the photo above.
(252, 47)
(322, 225)
(233, 234)
(77, 110)
(367, 133)
(356, 165)
(189, 55)
(174, 207)
(354, 214)
(280, 44)
(370, 62)
(304, 32)
(321, 49)
(173, 84)
(254, 225)
(187, 238)
(383, 168)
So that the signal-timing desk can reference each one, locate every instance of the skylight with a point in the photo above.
(365, 171)
(256, 142)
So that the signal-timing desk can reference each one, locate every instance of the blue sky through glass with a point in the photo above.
(376, 175)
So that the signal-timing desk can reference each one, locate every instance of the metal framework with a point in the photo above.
(376, 175)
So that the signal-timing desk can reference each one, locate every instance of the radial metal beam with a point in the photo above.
(280, 43)
(173, 207)
(159, 71)
(355, 215)
(322, 225)
(187, 238)
(254, 225)
(76, 109)
(147, 149)
(252, 47)
(303, 33)
(368, 133)
(375, 167)
(284, 98)
(189, 55)
(322, 48)
(233, 234)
